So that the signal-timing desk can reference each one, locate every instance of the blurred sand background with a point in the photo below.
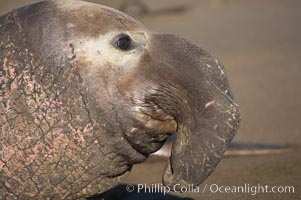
(259, 42)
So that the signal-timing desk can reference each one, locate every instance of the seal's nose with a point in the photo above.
(204, 108)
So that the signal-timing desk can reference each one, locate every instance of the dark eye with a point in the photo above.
(124, 43)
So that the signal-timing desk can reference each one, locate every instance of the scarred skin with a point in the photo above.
(76, 112)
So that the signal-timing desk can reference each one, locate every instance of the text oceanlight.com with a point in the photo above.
(211, 188)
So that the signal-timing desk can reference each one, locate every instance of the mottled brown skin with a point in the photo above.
(76, 112)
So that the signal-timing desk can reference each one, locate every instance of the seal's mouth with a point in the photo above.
(152, 128)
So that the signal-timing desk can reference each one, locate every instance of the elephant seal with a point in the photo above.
(87, 91)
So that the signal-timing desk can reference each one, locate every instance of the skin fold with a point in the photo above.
(76, 111)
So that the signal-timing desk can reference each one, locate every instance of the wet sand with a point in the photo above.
(272, 170)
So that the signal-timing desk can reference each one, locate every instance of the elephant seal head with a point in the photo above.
(87, 91)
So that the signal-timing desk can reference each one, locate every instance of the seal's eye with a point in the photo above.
(123, 42)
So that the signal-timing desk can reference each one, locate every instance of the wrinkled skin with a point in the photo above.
(76, 112)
